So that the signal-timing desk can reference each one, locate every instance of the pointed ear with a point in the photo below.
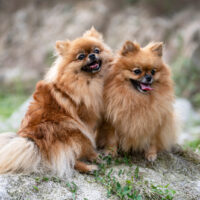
(62, 47)
(93, 33)
(129, 47)
(157, 48)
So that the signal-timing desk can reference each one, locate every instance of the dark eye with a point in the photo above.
(81, 56)
(153, 71)
(137, 71)
(96, 50)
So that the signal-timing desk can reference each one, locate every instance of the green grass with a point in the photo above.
(194, 145)
(73, 189)
(163, 192)
(129, 188)
(11, 97)
(114, 187)
(9, 103)
(122, 184)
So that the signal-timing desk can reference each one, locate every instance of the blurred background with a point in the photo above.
(29, 29)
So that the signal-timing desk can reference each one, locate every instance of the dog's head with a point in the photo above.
(142, 67)
(85, 55)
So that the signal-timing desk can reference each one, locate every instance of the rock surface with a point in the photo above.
(177, 172)
(180, 169)
(189, 121)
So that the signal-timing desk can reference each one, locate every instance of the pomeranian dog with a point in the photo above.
(59, 128)
(138, 97)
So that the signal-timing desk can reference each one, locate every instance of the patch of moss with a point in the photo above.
(194, 145)
(129, 183)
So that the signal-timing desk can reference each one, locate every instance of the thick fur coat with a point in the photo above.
(59, 128)
(139, 120)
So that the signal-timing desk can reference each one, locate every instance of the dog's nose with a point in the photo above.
(92, 56)
(148, 78)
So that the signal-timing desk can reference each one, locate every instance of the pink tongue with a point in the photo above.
(145, 87)
(94, 66)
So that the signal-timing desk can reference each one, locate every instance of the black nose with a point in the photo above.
(148, 77)
(92, 56)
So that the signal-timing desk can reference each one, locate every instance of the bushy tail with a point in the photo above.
(18, 154)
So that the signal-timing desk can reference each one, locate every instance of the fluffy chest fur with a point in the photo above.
(135, 116)
(86, 93)
(91, 102)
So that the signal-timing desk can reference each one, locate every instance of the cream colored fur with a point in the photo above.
(144, 122)
(141, 120)
(17, 153)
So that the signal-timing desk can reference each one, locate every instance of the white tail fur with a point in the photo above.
(18, 154)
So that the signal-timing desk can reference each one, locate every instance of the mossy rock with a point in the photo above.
(174, 175)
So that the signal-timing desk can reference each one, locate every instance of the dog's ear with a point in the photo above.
(62, 47)
(157, 48)
(93, 33)
(129, 47)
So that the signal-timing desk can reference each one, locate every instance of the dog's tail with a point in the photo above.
(18, 154)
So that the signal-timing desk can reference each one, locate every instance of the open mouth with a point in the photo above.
(140, 86)
(92, 67)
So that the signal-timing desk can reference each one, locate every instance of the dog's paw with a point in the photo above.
(92, 168)
(98, 159)
(151, 156)
(95, 159)
(112, 152)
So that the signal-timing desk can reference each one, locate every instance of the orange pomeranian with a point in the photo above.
(139, 99)
(59, 128)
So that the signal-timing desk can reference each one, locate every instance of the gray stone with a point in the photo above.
(188, 119)
(180, 169)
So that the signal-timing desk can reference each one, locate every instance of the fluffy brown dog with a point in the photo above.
(139, 102)
(60, 125)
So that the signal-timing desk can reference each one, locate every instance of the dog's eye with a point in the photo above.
(81, 56)
(153, 71)
(137, 71)
(96, 50)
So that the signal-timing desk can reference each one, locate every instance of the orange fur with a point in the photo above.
(143, 121)
(65, 113)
